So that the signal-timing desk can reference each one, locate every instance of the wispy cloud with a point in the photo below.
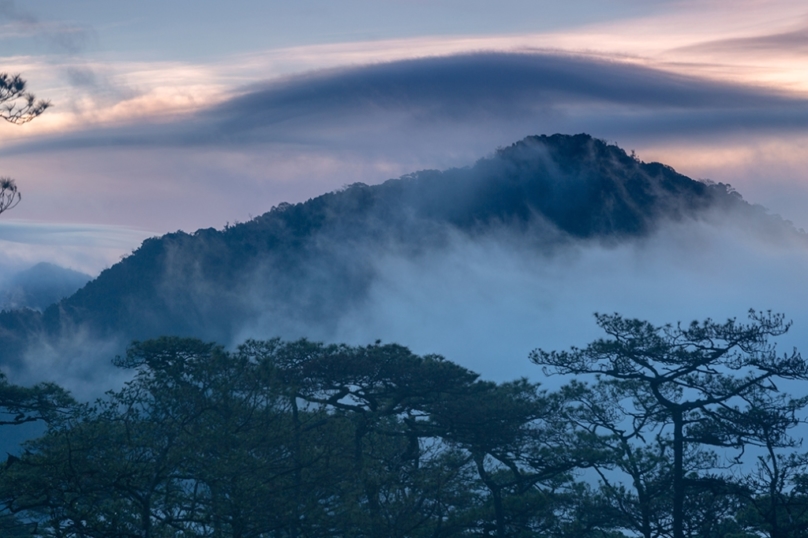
(88, 248)
(708, 40)
(173, 143)
(298, 136)
(554, 91)
(794, 42)
(487, 304)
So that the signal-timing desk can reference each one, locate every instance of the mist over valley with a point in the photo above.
(40, 286)
(480, 264)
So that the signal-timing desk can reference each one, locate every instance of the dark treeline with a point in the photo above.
(663, 431)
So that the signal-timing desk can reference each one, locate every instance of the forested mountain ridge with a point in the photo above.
(307, 261)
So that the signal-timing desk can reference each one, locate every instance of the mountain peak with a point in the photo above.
(305, 264)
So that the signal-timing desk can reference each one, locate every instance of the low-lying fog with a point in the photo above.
(486, 302)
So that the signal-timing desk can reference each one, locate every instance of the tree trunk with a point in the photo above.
(678, 475)
(642, 495)
(496, 493)
(774, 492)
(298, 464)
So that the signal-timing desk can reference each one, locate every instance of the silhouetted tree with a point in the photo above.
(9, 195)
(693, 373)
(17, 106)
(515, 437)
(524, 450)
(624, 424)
(303, 439)
(44, 401)
(292, 439)
(775, 487)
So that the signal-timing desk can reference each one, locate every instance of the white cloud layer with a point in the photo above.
(486, 304)
(86, 248)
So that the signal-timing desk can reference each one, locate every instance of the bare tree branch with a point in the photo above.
(17, 106)
(9, 195)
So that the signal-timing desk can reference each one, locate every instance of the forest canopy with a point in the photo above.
(664, 431)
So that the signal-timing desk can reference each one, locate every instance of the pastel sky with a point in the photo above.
(185, 114)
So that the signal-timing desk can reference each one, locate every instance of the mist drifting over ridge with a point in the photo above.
(40, 286)
(480, 264)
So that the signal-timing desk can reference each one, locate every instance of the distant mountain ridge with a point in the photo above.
(306, 262)
(40, 286)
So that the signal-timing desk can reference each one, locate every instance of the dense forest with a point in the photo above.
(659, 431)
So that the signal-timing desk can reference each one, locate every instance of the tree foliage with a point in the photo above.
(712, 383)
(9, 195)
(294, 439)
(44, 401)
(17, 106)
(299, 439)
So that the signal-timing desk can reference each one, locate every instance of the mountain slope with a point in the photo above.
(305, 263)
(40, 286)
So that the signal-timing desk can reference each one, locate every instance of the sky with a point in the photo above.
(184, 115)
(178, 115)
